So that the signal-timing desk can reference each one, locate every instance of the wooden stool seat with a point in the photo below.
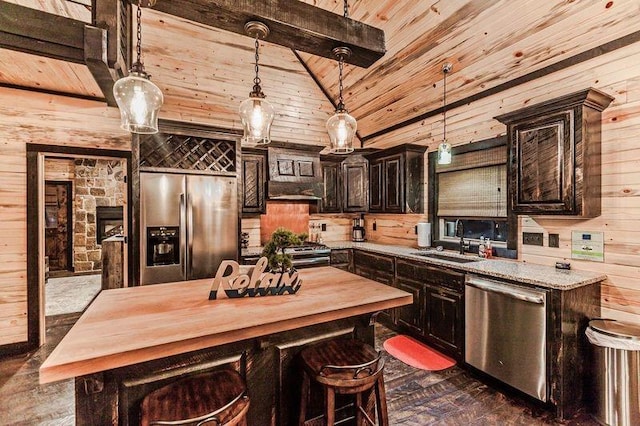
(349, 367)
(215, 398)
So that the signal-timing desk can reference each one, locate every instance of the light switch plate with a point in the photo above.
(554, 240)
(532, 238)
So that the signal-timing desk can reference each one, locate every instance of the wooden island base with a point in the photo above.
(132, 341)
(268, 364)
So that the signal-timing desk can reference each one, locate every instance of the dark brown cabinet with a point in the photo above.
(436, 315)
(332, 187)
(253, 181)
(378, 268)
(396, 180)
(554, 155)
(345, 184)
(355, 184)
(342, 259)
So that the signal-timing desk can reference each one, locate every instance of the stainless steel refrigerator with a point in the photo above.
(189, 224)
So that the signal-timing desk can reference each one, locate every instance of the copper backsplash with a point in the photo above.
(287, 214)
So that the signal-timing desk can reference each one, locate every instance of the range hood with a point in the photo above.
(294, 172)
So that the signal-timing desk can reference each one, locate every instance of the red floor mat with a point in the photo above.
(417, 354)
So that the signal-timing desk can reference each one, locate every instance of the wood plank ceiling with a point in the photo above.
(206, 72)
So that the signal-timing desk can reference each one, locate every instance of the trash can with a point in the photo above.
(617, 371)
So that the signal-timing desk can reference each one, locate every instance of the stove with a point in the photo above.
(306, 255)
(309, 255)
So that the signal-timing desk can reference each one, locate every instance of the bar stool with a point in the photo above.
(347, 367)
(213, 399)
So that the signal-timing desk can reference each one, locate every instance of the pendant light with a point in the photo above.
(256, 113)
(138, 98)
(444, 149)
(341, 126)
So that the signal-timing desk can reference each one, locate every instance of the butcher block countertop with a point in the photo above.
(132, 325)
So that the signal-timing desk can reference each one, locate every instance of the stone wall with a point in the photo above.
(97, 183)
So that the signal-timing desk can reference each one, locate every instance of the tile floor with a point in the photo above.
(70, 294)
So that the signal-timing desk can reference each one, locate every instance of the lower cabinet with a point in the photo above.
(436, 315)
(378, 268)
(342, 259)
(444, 323)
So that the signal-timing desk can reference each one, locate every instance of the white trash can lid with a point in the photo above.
(615, 328)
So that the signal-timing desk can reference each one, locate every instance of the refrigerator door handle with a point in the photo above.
(189, 266)
(183, 242)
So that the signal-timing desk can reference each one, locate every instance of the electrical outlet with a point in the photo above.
(323, 227)
(554, 240)
(532, 238)
(374, 225)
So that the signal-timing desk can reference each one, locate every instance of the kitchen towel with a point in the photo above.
(417, 354)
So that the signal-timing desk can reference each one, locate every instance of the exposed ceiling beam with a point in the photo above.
(292, 24)
(95, 56)
(40, 33)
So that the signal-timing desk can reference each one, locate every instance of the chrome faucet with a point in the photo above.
(460, 233)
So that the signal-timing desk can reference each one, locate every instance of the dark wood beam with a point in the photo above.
(114, 16)
(95, 56)
(40, 33)
(292, 24)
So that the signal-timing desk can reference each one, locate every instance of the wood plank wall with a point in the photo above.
(615, 73)
(29, 117)
(205, 74)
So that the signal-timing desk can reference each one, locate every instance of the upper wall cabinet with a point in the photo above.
(396, 179)
(253, 181)
(554, 155)
(345, 184)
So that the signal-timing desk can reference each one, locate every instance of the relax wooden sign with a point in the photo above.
(257, 282)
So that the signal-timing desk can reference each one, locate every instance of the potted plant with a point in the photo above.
(274, 249)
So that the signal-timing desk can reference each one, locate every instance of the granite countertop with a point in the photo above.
(538, 275)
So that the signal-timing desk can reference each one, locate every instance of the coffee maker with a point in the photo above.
(357, 230)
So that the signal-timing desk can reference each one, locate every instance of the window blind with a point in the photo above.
(476, 192)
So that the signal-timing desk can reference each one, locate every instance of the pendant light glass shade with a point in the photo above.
(444, 153)
(444, 149)
(257, 115)
(342, 128)
(256, 112)
(138, 99)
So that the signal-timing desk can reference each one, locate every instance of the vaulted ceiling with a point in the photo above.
(205, 72)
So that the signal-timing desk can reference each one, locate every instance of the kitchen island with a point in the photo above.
(131, 341)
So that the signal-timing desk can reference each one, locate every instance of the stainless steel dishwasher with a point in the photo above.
(505, 333)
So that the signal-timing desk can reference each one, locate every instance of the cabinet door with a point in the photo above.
(253, 174)
(410, 317)
(355, 185)
(375, 186)
(377, 268)
(331, 195)
(342, 259)
(543, 177)
(393, 181)
(444, 322)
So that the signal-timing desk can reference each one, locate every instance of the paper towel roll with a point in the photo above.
(424, 234)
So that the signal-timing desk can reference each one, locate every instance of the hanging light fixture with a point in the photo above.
(256, 112)
(341, 126)
(138, 98)
(444, 149)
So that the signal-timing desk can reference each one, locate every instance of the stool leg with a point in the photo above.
(381, 403)
(358, 409)
(304, 396)
(329, 406)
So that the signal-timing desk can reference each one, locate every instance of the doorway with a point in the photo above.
(58, 230)
(65, 188)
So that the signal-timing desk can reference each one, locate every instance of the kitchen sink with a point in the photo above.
(447, 257)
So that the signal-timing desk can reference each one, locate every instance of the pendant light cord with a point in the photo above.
(444, 107)
(256, 80)
(139, 33)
